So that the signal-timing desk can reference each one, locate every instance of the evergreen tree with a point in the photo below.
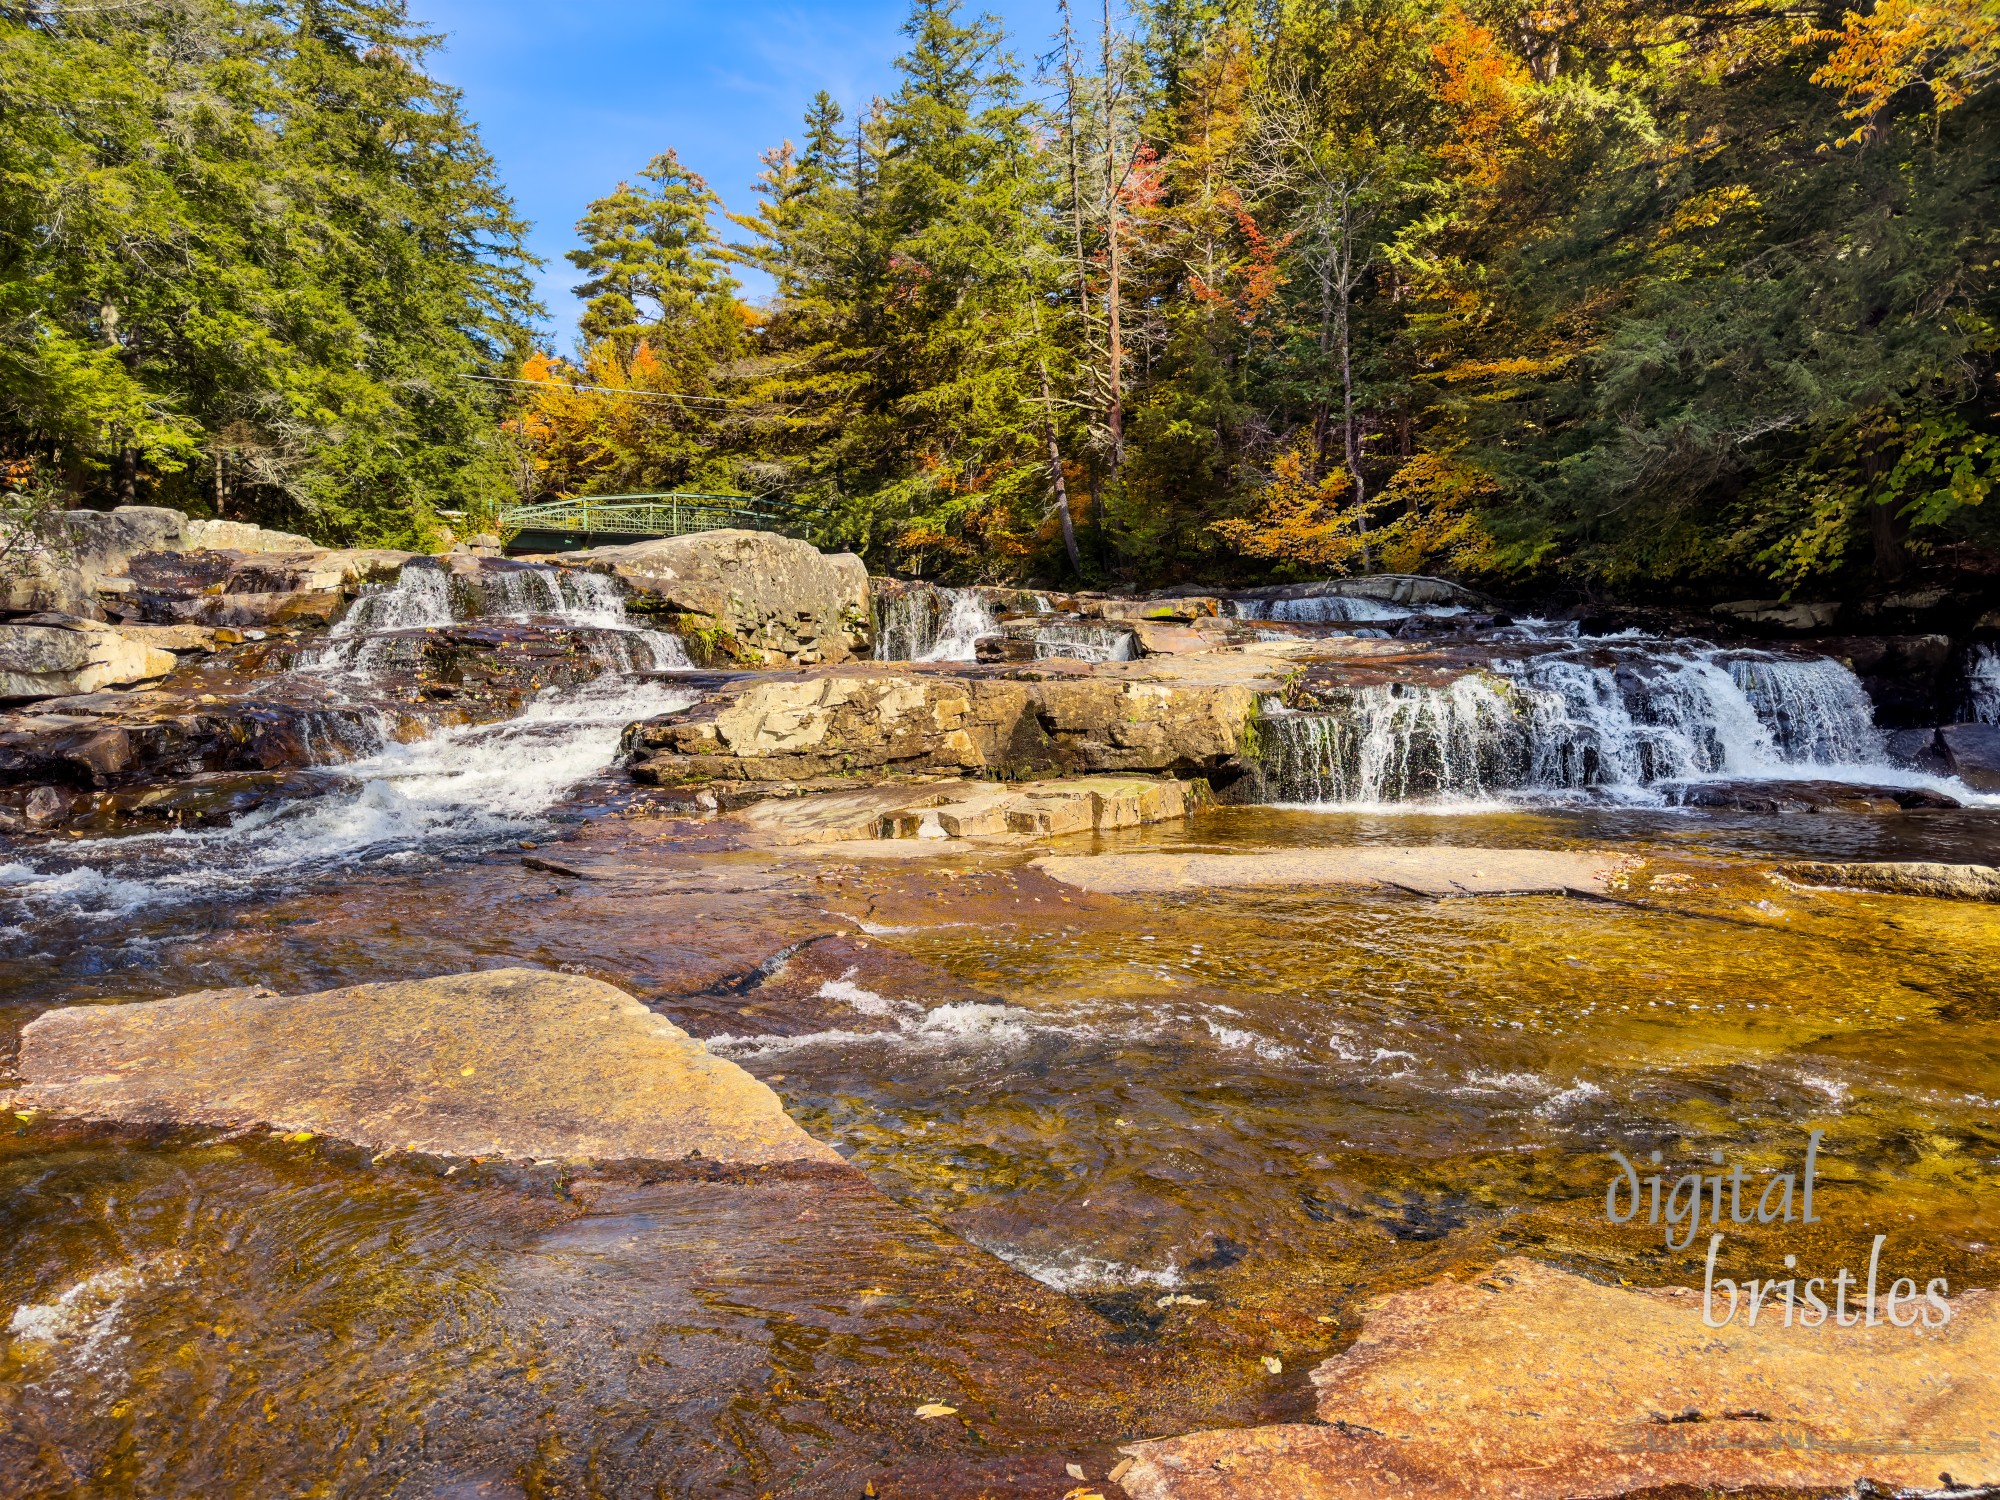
(254, 261)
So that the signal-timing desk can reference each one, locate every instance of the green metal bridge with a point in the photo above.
(609, 520)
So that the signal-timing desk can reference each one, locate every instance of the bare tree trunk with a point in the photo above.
(1115, 405)
(1347, 426)
(220, 513)
(128, 475)
(1055, 446)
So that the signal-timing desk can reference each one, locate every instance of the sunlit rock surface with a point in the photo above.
(1531, 1383)
(1438, 870)
(1061, 717)
(510, 1063)
(749, 597)
(1903, 878)
(49, 655)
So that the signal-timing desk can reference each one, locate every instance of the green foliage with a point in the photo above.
(259, 237)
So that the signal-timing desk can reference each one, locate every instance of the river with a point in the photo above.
(1132, 1149)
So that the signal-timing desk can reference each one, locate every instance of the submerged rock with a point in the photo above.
(1534, 1384)
(510, 1063)
(748, 597)
(1953, 882)
(1803, 796)
(1438, 870)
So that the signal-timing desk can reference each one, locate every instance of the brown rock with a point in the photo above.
(513, 1063)
(1534, 1384)
(751, 597)
(957, 810)
(1061, 718)
(1953, 882)
(1438, 870)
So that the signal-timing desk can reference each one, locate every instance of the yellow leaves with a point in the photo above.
(1950, 46)
(931, 1409)
(1520, 367)
(1706, 210)
(299, 1137)
(1305, 519)
(1273, 1365)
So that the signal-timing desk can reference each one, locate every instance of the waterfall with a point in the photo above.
(383, 631)
(906, 625)
(1616, 720)
(460, 790)
(1982, 684)
(1083, 643)
(968, 620)
(1323, 609)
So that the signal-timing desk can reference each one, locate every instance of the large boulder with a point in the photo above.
(241, 536)
(1909, 678)
(1534, 1384)
(745, 597)
(1973, 753)
(52, 656)
(863, 721)
(1778, 616)
(510, 1063)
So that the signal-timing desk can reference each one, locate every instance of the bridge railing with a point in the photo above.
(671, 514)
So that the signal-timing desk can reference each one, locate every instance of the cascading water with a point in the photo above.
(906, 625)
(968, 620)
(1324, 609)
(1615, 721)
(385, 626)
(1982, 685)
(1082, 643)
(457, 791)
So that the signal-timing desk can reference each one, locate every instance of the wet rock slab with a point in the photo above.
(973, 810)
(510, 1063)
(1439, 870)
(1531, 1383)
(1772, 797)
(1902, 878)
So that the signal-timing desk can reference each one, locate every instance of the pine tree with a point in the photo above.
(254, 259)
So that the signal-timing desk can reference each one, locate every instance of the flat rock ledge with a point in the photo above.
(1531, 1383)
(515, 1064)
(1910, 878)
(1440, 871)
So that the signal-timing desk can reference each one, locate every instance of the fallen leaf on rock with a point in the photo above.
(1124, 1466)
(935, 1409)
(1274, 1364)
(1075, 1471)
(300, 1135)
(1181, 1300)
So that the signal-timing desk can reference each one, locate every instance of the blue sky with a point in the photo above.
(572, 96)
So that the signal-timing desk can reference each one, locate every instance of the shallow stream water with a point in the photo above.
(1127, 1150)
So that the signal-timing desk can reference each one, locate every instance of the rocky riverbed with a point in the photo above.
(697, 1020)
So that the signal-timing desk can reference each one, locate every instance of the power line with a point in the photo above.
(616, 390)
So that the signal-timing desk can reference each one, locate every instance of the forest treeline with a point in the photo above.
(1616, 295)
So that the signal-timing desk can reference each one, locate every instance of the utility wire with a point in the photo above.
(617, 390)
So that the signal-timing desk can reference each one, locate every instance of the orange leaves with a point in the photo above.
(1308, 521)
(1950, 46)
(1305, 519)
(1487, 92)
